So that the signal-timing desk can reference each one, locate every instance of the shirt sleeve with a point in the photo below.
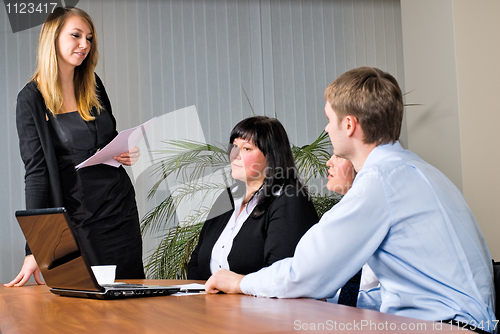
(370, 299)
(105, 102)
(333, 250)
(193, 268)
(36, 173)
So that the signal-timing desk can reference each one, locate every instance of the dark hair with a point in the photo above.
(270, 137)
(374, 98)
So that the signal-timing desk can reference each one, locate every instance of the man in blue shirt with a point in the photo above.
(402, 216)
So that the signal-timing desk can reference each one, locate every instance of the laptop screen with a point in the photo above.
(56, 251)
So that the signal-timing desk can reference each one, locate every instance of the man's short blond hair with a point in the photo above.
(374, 98)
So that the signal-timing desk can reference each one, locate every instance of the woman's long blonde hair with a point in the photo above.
(47, 71)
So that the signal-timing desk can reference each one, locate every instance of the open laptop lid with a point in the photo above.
(57, 253)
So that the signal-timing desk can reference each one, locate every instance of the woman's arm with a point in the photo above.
(193, 268)
(105, 102)
(221, 211)
(36, 175)
(290, 216)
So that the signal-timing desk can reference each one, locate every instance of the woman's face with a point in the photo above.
(248, 163)
(74, 43)
(341, 174)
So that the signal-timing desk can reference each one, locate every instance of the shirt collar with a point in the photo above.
(380, 152)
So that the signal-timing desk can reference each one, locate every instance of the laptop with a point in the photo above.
(57, 251)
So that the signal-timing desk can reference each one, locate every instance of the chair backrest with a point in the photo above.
(496, 281)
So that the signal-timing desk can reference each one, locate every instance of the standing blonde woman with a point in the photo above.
(63, 117)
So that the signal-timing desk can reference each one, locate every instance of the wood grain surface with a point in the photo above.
(34, 309)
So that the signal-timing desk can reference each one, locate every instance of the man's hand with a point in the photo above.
(225, 281)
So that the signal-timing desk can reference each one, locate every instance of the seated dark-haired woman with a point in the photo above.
(261, 218)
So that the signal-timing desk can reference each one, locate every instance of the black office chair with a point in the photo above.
(349, 292)
(496, 282)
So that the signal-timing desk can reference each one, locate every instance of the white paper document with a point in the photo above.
(190, 289)
(123, 142)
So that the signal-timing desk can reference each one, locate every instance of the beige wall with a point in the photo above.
(477, 34)
(430, 80)
(451, 55)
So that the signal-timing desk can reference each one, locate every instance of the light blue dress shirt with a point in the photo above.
(412, 226)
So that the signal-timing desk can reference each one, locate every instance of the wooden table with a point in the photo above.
(34, 309)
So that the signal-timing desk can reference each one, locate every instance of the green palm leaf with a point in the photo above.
(172, 255)
(188, 160)
(158, 218)
(323, 203)
(311, 159)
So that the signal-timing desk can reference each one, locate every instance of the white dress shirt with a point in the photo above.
(222, 247)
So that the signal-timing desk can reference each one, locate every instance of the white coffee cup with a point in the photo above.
(104, 274)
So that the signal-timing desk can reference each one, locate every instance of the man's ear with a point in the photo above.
(351, 125)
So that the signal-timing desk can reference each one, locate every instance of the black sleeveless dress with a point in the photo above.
(99, 199)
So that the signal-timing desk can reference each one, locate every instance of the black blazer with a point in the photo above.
(42, 182)
(260, 242)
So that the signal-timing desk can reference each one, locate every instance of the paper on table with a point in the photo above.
(192, 287)
(123, 142)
